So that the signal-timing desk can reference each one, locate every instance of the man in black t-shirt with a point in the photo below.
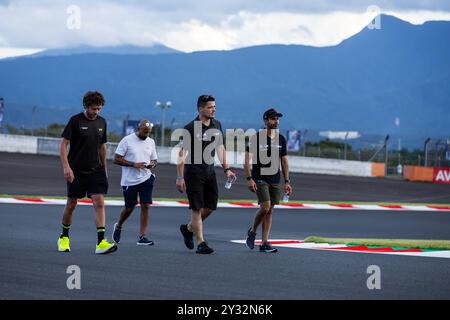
(196, 174)
(85, 168)
(266, 151)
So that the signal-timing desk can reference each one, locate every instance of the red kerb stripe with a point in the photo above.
(391, 206)
(439, 207)
(30, 199)
(243, 204)
(342, 205)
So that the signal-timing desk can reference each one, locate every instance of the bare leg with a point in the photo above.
(196, 225)
(144, 219)
(266, 225)
(205, 213)
(124, 214)
(69, 210)
(99, 206)
(260, 215)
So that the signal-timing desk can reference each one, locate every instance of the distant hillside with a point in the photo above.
(362, 84)
(119, 50)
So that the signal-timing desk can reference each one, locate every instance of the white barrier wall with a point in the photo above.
(296, 164)
(16, 143)
(41, 145)
(330, 166)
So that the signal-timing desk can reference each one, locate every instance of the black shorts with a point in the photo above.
(201, 188)
(144, 189)
(87, 184)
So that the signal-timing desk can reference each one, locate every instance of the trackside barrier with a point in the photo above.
(427, 174)
(50, 146)
(16, 143)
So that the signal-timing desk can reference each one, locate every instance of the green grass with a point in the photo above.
(250, 200)
(396, 243)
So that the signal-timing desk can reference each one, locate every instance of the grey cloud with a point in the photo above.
(303, 31)
(42, 23)
(214, 7)
(5, 3)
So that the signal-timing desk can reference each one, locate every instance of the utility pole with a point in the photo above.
(32, 119)
(436, 152)
(304, 141)
(386, 155)
(345, 146)
(163, 107)
(426, 151)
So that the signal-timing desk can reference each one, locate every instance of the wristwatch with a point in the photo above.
(249, 178)
(287, 181)
(225, 170)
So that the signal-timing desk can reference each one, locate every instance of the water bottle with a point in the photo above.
(286, 198)
(229, 183)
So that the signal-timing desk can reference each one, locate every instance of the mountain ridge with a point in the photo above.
(361, 84)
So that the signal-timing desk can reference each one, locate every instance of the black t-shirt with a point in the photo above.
(261, 151)
(204, 139)
(86, 137)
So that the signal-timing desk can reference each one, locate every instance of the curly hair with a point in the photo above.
(93, 98)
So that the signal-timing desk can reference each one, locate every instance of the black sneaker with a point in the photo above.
(188, 236)
(250, 242)
(143, 241)
(203, 248)
(116, 233)
(266, 247)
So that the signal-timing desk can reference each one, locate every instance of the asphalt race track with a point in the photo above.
(25, 174)
(31, 267)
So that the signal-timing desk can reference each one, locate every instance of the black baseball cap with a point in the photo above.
(271, 113)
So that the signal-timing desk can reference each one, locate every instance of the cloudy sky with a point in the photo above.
(28, 26)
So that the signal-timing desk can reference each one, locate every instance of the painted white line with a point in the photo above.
(316, 206)
(332, 247)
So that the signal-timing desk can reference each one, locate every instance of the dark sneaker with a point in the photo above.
(188, 236)
(116, 233)
(203, 248)
(266, 247)
(143, 241)
(250, 242)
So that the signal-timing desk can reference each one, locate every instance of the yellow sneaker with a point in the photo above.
(105, 247)
(64, 244)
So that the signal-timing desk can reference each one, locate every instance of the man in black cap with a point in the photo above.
(265, 150)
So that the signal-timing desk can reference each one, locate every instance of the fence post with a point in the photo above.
(426, 151)
(436, 152)
(386, 154)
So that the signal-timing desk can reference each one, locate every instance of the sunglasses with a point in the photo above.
(205, 98)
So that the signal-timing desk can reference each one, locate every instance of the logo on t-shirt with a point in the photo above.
(263, 147)
(83, 128)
